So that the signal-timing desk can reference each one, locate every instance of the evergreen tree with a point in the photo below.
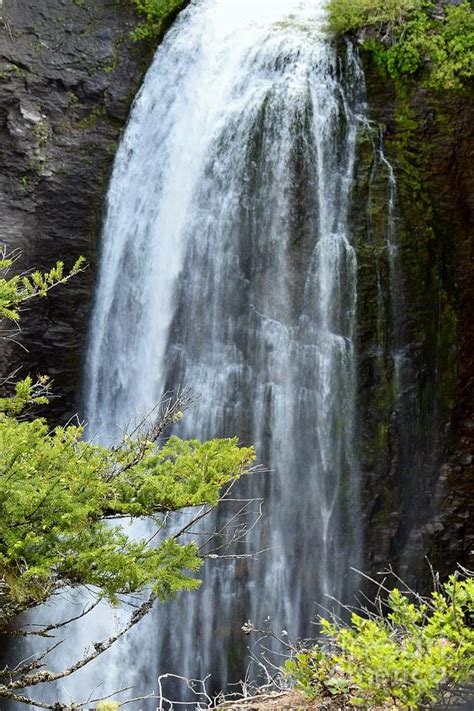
(61, 498)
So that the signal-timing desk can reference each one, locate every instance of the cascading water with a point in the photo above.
(227, 266)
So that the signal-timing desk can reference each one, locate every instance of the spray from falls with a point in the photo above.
(228, 266)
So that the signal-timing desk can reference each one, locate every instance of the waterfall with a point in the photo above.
(228, 266)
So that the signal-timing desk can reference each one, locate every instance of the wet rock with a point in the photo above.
(418, 449)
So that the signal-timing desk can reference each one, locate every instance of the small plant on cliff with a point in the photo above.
(407, 36)
(61, 496)
(407, 657)
(156, 15)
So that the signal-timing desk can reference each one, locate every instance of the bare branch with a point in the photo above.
(44, 631)
(25, 668)
(31, 702)
(99, 648)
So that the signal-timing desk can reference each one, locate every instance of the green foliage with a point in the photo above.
(349, 15)
(156, 15)
(56, 490)
(411, 38)
(58, 493)
(18, 289)
(451, 50)
(107, 706)
(402, 659)
(26, 393)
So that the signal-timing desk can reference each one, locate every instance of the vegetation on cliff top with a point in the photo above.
(156, 16)
(408, 36)
(349, 15)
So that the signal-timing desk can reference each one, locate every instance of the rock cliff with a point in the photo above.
(68, 74)
(417, 339)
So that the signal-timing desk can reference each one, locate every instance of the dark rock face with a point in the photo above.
(417, 450)
(68, 73)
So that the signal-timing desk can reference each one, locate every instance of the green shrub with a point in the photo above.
(349, 15)
(408, 37)
(451, 50)
(156, 15)
(405, 659)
